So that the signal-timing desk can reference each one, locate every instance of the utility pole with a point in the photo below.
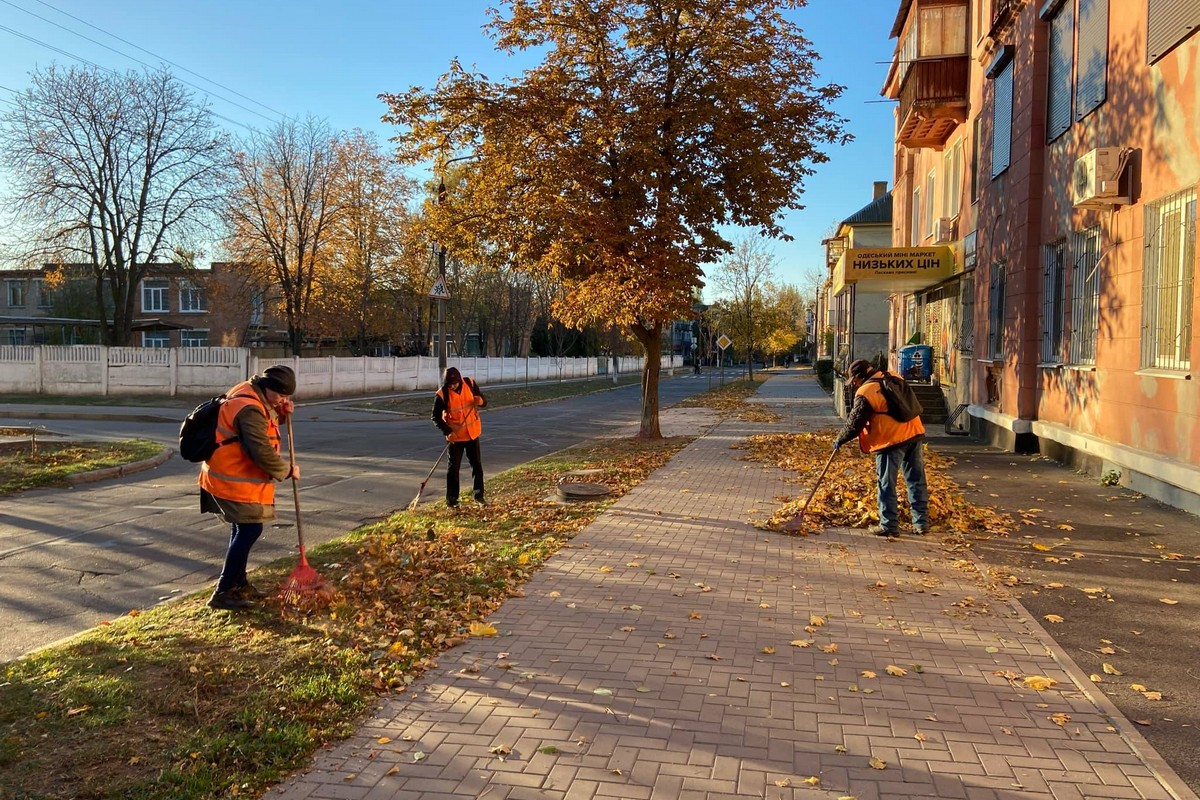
(441, 301)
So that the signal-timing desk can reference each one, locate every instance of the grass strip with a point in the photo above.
(184, 702)
(41, 463)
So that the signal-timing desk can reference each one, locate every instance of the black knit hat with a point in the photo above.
(861, 369)
(279, 379)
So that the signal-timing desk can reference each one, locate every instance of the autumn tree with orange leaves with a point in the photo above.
(614, 164)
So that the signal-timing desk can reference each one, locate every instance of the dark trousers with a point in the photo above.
(242, 537)
(457, 449)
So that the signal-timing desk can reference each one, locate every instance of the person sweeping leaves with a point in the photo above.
(238, 481)
(456, 413)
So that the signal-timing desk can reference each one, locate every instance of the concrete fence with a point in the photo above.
(198, 371)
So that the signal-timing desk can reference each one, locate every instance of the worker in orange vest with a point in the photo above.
(456, 414)
(238, 481)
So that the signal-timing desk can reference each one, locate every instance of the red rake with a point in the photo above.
(304, 580)
(794, 524)
(416, 500)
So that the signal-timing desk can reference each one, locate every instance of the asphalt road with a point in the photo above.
(72, 558)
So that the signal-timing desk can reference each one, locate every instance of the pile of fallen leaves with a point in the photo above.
(846, 496)
(730, 401)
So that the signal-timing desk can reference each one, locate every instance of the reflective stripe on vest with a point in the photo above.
(231, 474)
(883, 430)
(461, 414)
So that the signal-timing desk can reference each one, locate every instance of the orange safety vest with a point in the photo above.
(461, 414)
(883, 430)
(231, 474)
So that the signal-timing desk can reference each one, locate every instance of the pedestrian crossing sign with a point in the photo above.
(439, 289)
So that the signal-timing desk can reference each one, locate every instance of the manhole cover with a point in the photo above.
(582, 491)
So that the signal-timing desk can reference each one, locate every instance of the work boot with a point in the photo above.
(879, 530)
(228, 601)
(247, 591)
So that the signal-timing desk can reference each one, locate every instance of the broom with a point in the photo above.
(796, 523)
(413, 505)
(304, 580)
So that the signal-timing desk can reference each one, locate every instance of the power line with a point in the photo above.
(131, 58)
(160, 58)
(113, 72)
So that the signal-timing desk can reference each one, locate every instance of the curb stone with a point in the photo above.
(108, 473)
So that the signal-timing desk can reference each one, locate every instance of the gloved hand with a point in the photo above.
(836, 445)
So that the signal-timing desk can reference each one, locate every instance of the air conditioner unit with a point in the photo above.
(1096, 179)
(947, 230)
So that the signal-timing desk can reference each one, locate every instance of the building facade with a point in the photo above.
(1056, 147)
(175, 307)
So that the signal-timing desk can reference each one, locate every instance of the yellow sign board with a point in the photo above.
(900, 269)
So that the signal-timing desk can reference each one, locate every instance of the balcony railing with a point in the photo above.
(933, 101)
(1002, 13)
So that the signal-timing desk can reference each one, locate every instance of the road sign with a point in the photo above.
(724, 341)
(439, 289)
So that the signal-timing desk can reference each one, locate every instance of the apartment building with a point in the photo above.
(1055, 147)
(176, 307)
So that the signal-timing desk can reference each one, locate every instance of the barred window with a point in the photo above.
(1168, 273)
(1054, 277)
(996, 311)
(966, 337)
(1085, 295)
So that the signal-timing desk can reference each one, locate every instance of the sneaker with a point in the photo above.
(879, 530)
(450, 504)
(481, 501)
(228, 601)
(920, 530)
(247, 591)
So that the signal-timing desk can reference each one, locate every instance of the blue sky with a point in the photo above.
(257, 59)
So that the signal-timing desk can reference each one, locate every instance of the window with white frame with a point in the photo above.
(1001, 74)
(156, 339)
(996, 311)
(43, 293)
(915, 233)
(16, 293)
(1060, 16)
(1054, 278)
(193, 338)
(154, 296)
(1085, 295)
(192, 298)
(930, 193)
(1168, 275)
(952, 180)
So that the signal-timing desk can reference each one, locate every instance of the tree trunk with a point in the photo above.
(651, 340)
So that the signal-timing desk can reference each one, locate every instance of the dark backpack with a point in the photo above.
(902, 402)
(198, 433)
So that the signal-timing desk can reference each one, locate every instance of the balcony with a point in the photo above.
(933, 101)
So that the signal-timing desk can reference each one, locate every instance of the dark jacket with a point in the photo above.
(869, 421)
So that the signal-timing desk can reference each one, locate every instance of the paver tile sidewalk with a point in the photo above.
(675, 651)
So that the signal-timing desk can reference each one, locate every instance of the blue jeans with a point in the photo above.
(909, 460)
(242, 537)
